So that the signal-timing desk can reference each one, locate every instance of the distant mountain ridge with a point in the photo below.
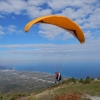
(6, 68)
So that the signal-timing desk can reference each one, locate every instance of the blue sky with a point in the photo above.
(48, 43)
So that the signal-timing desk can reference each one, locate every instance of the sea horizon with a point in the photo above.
(66, 70)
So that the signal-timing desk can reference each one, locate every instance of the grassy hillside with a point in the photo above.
(62, 90)
(71, 88)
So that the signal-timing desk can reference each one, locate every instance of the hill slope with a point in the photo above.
(91, 90)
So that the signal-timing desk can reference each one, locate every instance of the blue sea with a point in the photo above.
(76, 70)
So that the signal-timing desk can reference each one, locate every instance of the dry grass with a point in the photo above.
(75, 96)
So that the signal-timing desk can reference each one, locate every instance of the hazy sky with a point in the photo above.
(47, 43)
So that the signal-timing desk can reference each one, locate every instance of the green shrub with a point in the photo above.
(88, 80)
(34, 98)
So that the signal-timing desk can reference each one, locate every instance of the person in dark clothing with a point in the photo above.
(57, 76)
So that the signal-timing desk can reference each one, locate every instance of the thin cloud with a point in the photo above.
(9, 30)
(52, 32)
(13, 17)
(45, 50)
(58, 5)
(12, 6)
(2, 16)
(34, 12)
(1, 31)
(83, 12)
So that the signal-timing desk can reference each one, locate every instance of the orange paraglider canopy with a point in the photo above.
(60, 21)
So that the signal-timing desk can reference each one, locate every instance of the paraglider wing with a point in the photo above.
(59, 21)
